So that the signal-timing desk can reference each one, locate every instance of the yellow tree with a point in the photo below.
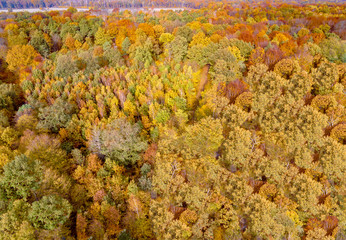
(20, 56)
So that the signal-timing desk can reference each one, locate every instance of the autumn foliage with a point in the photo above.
(225, 120)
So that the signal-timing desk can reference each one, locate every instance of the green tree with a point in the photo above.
(203, 54)
(65, 66)
(142, 54)
(178, 48)
(14, 224)
(101, 37)
(125, 45)
(84, 27)
(68, 28)
(14, 39)
(205, 137)
(184, 32)
(20, 178)
(119, 141)
(89, 61)
(55, 116)
(114, 57)
(226, 71)
(244, 47)
(333, 49)
(10, 97)
(226, 67)
(4, 121)
(39, 43)
(50, 212)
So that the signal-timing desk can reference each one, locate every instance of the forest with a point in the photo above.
(195, 4)
(223, 122)
(107, 3)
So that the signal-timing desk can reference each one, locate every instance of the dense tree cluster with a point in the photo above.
(224, 122)
(104, 4)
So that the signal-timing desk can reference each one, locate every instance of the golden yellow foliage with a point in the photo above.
(20, 56)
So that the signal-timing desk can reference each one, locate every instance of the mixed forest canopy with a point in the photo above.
(223, 122)
(139, 3)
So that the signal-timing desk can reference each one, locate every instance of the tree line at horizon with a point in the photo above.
(20, 4)
(215, 123)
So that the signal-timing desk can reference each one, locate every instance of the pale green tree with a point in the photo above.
(50, 212)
